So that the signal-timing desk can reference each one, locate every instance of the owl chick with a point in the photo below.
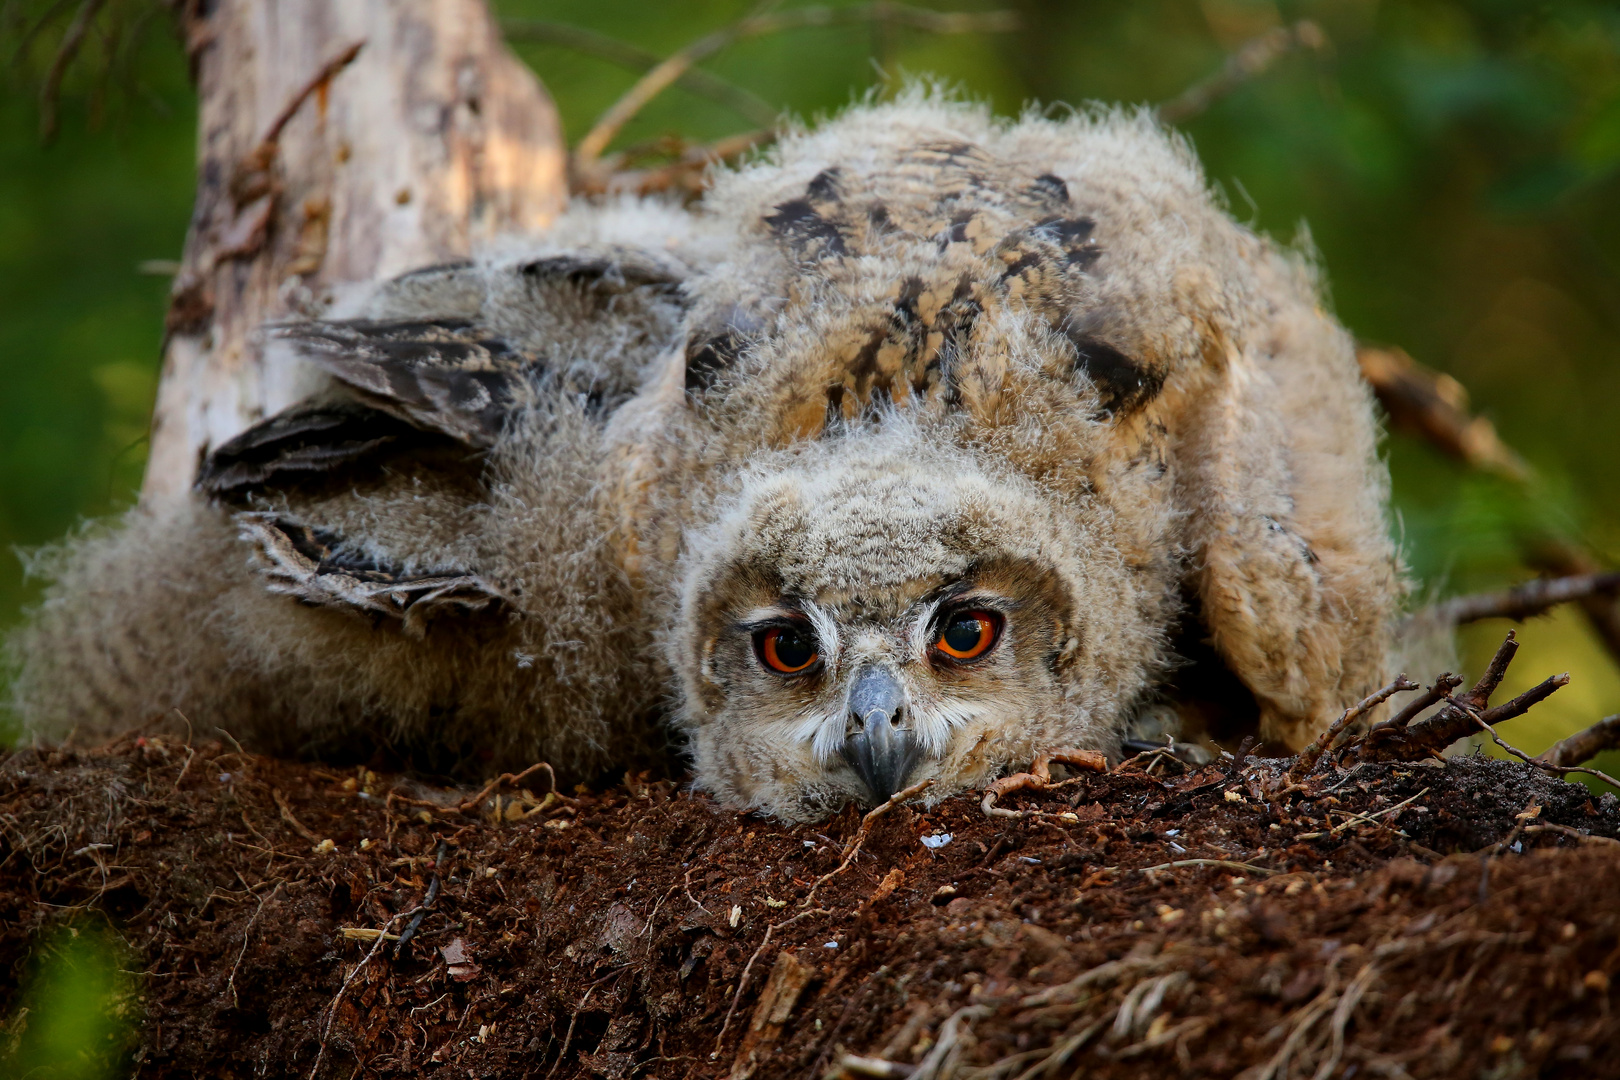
(925, 444)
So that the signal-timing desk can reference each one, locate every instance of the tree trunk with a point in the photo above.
(320, 166)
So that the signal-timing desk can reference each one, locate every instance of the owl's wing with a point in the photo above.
(451, 376)
(446, 354)
(308, 563)
(382, 474)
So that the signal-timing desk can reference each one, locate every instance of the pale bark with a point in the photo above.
(433, 138)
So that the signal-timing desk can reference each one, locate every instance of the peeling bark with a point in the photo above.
(317, 169)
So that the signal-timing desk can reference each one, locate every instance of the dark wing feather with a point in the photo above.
(302, 442)
(447, 376)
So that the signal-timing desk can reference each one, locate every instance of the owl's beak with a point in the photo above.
(878, 745)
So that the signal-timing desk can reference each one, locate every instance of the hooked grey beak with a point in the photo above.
(881, 751)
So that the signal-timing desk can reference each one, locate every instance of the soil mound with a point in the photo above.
(1450, 918)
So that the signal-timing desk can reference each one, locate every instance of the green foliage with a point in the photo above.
(1455, 161)
(76, 1016)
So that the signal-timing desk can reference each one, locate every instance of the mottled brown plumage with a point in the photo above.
(916, 377)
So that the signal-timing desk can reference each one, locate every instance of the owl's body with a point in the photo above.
(924, 446)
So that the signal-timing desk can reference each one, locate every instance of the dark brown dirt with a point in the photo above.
(605, 935)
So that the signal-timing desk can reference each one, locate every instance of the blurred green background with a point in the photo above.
(1457, 164)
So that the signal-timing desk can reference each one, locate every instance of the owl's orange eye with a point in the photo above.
(786, 650)
(968, 635)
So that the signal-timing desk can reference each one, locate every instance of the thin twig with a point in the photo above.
(1442, 687)
(376, 947)
(568, 1036)
(1564, 559)
(251, 180)
(34, 31)
(1252, 59)
(50, 92)
(291, 819)
(1179, 863)
(230, 983)
(1524, 601)
(427, 900)
(853, 848)
(1565, 830)
(1361, 819)
(1308, 757)
(742, 980)
(688, 172)
(744, 102)
(757, 24)
(1435, 406)
(1561, 770)
(1585, 744)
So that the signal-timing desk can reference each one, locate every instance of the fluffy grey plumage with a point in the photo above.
(924, 445)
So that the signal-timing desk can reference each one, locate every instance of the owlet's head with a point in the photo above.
(869, 614)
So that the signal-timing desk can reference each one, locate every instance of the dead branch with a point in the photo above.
(1307, 758)
(744, 102)
(1584, 745)
(1434, 406)
(1564, 559)
(758, 23)
(1527, 600)
(51, 91)
(1460, 717)
(331, 1009)
(687, 174)
(428, 898)
(1560, 770)
(247, 933)
(853, 848)
(1251, 60)
(1442, 687)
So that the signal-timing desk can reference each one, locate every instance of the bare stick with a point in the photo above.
(1495, 671)
(660, 78)
(1242, 867)
(688, 172)
(742, 980)
(376, 947)
(1576, 834)
(1435, 407)
(1563, 559)
(853, 848)
(1584, 745)
(1251, 60)
(514, 779)
(1527, 600)
(427, 900)
(696, 80)
(247, 933)
(1521, 704)
(1442, 687)
(1561, 770)
(1308, 757)
(291, 819)
(34, 31)
(51, 91)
